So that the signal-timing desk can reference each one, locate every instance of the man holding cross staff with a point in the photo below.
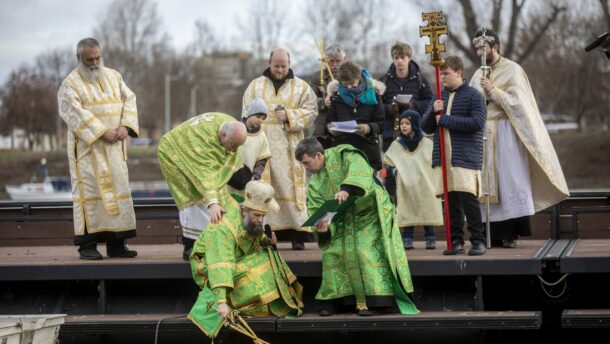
(457, 119)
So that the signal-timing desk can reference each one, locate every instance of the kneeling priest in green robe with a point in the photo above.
(363, 261)
(237, 266)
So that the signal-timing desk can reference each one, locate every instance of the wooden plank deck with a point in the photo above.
(587, 256)
(165, 261)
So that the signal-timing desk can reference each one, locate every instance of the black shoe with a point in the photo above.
(326, 308)
(120, 252)
(186, 254)
(478, 249)
(509, 243)
(407, 243)
(298, 245)
(324, 312)
(430, 244)
(456, 248)
(89, 253)
(366, 312)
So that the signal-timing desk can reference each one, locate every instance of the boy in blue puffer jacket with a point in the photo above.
(463, 118)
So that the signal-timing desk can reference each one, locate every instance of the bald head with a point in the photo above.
(279, 63)
(232, 135)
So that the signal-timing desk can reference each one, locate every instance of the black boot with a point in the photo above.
(299, 238)
(326, 308)
(118, 248)
(88, 251)
(298, 245)
(188, 248)
(456, 248)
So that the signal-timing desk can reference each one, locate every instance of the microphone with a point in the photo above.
(268, 234)
(599, 40)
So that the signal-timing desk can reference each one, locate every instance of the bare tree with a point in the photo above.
(264, 26)
(576, 82)
(493, 16)
(205, 41)
(606, 10)
(29, 102)
(358, 27)
(56, 63)
(133, 43)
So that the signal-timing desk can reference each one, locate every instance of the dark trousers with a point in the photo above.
(407, 232)
(460, 204)
(112, 239)
(510, 229)
(294, 235)
(390, 180)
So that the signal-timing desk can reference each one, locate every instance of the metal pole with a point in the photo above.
(167, 102)
(193, 109)
(487, 194)
(58, 133)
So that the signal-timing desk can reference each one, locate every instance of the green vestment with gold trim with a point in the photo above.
(363, 256)
(194, 162)
(239, 270)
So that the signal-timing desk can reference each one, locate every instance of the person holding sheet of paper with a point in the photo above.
(363, 261)
(356, 96)
(406, 88)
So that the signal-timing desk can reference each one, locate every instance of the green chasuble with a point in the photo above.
(230, 266)
(363, 256)
(194, 162)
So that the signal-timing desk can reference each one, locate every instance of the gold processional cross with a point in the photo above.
(436, 27)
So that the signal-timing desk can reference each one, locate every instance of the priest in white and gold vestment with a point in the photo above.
(292, 108)
(520, 164)
(100, 112)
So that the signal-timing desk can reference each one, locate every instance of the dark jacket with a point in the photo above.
(372, 115)
(466, 126)
(415, 84)
(319, 126)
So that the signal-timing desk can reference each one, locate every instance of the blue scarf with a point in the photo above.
(363, 94)
(408, 142)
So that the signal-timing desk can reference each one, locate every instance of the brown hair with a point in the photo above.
(400, 49)
(453, 62)
(349, 72)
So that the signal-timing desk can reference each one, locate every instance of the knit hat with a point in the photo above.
(408, 142)
(256, 107)
(259, 196)
(413, 117)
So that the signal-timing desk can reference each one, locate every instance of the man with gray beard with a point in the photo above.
(237, 267)
(100, 112)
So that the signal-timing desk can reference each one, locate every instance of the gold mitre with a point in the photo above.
(259, 196)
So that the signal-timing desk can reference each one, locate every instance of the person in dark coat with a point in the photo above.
(404, 77)
(355, 95)
(463, 119)
(334, 57)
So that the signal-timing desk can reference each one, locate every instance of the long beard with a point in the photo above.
(489, 59)
(91, 74)
(253, 230)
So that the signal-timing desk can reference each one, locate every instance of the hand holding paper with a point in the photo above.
(344, 126)
(328, 210)
(341, 196)
(322, 226)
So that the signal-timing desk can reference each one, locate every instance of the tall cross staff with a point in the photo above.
(434, 29)
(323, 65)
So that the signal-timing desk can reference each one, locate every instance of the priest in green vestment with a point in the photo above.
(237, 267)
(363, 260)
(198, 158)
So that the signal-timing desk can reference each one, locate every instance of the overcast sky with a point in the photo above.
(29, 27)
